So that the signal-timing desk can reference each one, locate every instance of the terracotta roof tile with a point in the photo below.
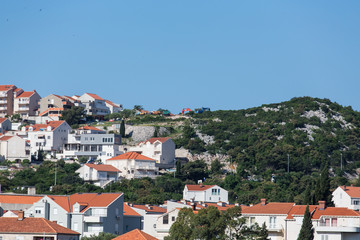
(151, 208)
(90, 128)
(26, 94)
(7, 87)
(52, 124)
(5, 138)
(95, 96)
(353, 192)
(198, 187)
(131, 155)
(19, 199)
(161, 139)
(128, 211)
(2, 120)
(32, 225)
(269, 208)
(135, 234)
(335, 211)
(299, 210)
(111, 103)
(102, 167)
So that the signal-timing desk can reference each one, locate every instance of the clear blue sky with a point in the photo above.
(175, 54)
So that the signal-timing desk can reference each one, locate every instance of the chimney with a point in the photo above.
(351, 185)
(322, 205)
(31, 190)
(21, 215)
(344, 187)
(263, 201)
(193, 204)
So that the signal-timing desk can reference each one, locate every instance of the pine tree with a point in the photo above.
(263, 233)
(307, 230)
(307, 196)
(323, 192)
(122, 128)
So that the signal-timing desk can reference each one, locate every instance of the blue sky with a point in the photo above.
(175, 54)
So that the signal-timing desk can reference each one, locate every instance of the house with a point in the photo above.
(347, 196)
(328, 222)
(149, 214)
(164, 223)
(205, 193)
(135, 234)
(26, 104)
(114, 108)
(7, 100)
(5, 125)
(98, 174)
(86, 213)
(132, 219)
(134, 165)
(53, 105)
(161, 149)
(273, 214)
(33, 229)
(17, 202)
(92, 143)
(49, 137)
(13, 148)
(94, 105)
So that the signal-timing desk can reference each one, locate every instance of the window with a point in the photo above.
(218, 191)
(48, 137)
(55, 211)
(76, 226)
(272, 222)
(166, 219)
(324, 237)
(38, 210)
(173, 218)
(334, 222)
(213, 191)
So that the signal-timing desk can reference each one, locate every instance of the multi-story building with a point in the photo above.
(53, 105)
(98, 174)
(347, 196)
(14, 148)
(134, 165)
(49, 137)
(7, 100)
(86, 213)
(94, 105)
(92, 143)
(26, 104)
(161, 149)
(113, 107)
(132, 219)
(205, 193)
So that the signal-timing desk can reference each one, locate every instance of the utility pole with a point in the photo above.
(288, 163)
(55, 172)
(341, 162)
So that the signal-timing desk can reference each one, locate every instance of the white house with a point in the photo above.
(164, 223)
(94, 105)
(14, 147)
(347, 196)
(5, 125)
(161, 149)
(98, 174)
(49, 137)
(134, 165)
(205, 193)
(113, 107)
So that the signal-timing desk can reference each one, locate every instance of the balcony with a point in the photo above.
(93, 219)
(338, 229)
(24, 102)
(275, 228)
(149, 168)
(3, 101)
(3, 108)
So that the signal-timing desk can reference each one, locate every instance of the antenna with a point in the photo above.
(288, 163)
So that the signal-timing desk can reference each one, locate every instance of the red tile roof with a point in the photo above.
(19, 199)
(32, 225)
(198, 187)
(161, 139)
(111, 103)
(151, 208)
(7, 87)
(95, 96)
(353, 192)
(90, 128)
(299, 210)
(87, 199)
(52, 124)
(131, 155)
(269, 208)
(224, 207)
(26, 94)
(70, 98)
(135, 234)
(102, 167)
(5, 138)
(128, 211)
(335, 211)
(2, 120)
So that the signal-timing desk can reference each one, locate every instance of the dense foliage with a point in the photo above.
(307, 230)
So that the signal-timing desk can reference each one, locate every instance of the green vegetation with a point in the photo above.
(73, 116)
(307, 230)
(101, 236)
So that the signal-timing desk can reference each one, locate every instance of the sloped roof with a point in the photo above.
(32, 225)
(90, 128)
(5, 138)
(153, 209)
(111, 103)
(19, 199)
(198, 187)
(226, 206)
(6, 87)
(2, 120)
(93, 95)
(102, 167)
(131, 155)
(128, 211)
(52, 124)
(353, 192)
(26, 94)
(335, 211)
(85, 199)
(161, 139)
(135, 234)
(269, 208)
(299, 210)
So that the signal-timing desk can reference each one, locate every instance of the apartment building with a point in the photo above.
(13, 148)
(86, 213)
(205, 193)
(113, 107)
(7, 100)
(132, 219)
(98, 174)
(94, 105)
(26, 104)
(134, 165)
(161, 149)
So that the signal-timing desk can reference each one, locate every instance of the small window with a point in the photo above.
(48, 137)
(166, 219)
(55, 211)
(76, 226)
(173, 218)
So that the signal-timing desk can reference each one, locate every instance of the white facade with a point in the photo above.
(99, 175)
(345, 196)
(14, 147)
(160, 149)
(114, 108)
(205, 193)
(164, 223)
(26, 104)
(94, 105)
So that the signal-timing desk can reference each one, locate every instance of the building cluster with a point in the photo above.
(29, 105)
(85, 214)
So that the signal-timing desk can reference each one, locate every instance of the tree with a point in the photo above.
(307, 230)
(122, 128)
(178, 172)
(138, 107)
(74, 115)
(323, 191)
(216, 167)
(40, 155)
(196, 170)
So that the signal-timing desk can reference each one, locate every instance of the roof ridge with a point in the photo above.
(46, 221)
